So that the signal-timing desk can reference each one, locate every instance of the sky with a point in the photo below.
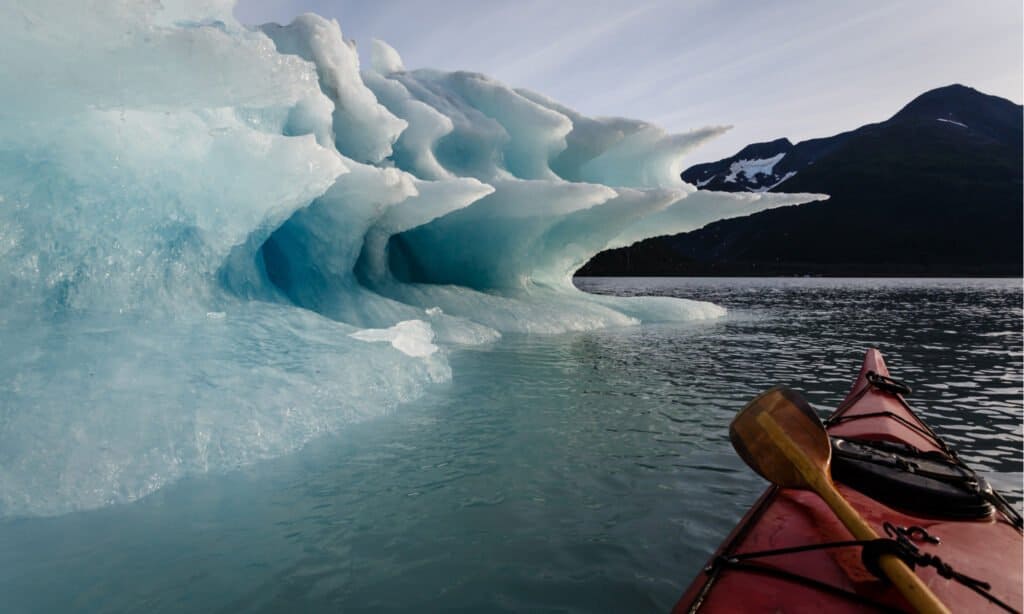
(784, 68)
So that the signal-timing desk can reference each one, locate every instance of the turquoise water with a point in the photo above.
(583, 472)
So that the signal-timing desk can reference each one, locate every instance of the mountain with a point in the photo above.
(935, 190)
(761, 167)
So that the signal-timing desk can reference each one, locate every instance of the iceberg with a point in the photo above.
(218, 241)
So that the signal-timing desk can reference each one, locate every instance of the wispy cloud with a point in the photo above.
(796, 68)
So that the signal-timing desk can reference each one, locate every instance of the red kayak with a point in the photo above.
(791, 554)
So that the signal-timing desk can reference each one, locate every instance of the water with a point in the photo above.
(579, 472)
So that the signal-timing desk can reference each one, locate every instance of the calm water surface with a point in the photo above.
(583, 472)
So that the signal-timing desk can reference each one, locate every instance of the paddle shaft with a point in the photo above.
(902, 577)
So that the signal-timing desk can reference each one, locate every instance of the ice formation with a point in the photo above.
(218, 241)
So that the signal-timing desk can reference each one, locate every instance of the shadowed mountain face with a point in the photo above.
(935, 190)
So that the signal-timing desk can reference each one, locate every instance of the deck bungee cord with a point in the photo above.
(906, 460)
(899, 543)
(932, 534)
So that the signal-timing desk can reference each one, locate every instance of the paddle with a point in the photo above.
(780, 437)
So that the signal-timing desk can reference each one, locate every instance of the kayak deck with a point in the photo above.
(835, 579)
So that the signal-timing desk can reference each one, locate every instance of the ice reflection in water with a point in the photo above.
(580, 472)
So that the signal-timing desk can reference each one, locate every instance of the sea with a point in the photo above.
(581, 472)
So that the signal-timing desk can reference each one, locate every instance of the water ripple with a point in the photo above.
(585, 472)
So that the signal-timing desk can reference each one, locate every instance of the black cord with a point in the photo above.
(899, 389)
(898, 543)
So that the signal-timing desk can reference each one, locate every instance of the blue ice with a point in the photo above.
(218, 242)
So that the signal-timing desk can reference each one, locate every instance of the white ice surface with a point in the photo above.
(411, 337)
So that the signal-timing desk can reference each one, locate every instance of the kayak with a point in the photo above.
(790, 552)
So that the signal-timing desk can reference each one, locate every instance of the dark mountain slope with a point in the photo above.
(935, 190)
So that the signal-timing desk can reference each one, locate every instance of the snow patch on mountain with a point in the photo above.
(751, 168)
(949, 121)
(768, 188)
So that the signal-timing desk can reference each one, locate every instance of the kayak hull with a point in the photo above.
(989, 549)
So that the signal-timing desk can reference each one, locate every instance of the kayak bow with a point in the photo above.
(792, 553)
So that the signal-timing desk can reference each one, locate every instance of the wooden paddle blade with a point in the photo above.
(756, 434)
(779, 436)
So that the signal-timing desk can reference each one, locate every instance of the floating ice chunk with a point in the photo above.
(411, 337)
(198, 218)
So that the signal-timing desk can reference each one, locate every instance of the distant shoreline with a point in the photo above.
(801, 276)
(620, 263)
